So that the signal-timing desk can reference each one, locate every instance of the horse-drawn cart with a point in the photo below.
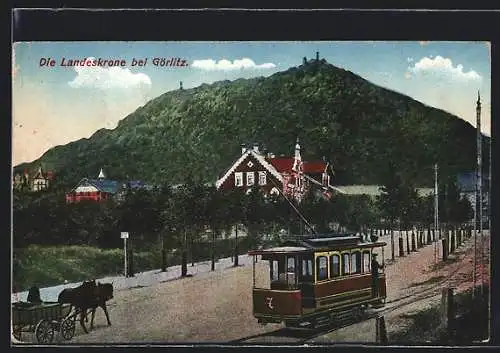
(43, 320)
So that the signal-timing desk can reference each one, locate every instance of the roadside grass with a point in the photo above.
(470, 325)
(46, 266)
(424, 328)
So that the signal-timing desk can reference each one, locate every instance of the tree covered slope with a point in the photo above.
(359, 127)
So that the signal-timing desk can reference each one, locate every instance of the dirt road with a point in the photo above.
(217, 306)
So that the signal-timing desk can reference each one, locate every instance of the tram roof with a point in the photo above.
(319, 242)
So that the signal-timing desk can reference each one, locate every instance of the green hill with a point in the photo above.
(358, 126)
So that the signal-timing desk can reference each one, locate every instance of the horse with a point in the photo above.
(104, 293)
(82, 298)
(34, 295)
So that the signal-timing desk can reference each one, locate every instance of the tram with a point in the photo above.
(315, 280)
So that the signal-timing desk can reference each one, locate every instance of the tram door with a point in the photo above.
(306, 280)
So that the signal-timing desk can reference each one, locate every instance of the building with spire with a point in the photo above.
(39, 181)
(98, 189)
(290, 176)
(101, 189)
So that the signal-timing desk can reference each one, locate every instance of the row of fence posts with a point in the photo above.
(450, 242)
(453, 240)
(415, 240)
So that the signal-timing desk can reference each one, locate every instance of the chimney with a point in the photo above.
(243, 148)
(256, 147)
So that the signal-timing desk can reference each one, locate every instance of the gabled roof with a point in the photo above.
(109, 186)
(282, 164)
(285, 164)
(40, 174)
(314, 167)
(270, 168)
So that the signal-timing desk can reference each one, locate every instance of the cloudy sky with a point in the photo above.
(54, 105)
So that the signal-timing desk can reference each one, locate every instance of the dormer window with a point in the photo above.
(238, 179)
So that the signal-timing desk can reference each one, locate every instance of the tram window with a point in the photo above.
(334, 266)
(366, 261)
(322, 263)
(307, 269)
(356, 262)
(290, 265)
(274, 270)
(345, 264)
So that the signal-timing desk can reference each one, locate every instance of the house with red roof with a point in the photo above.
(100, 189)
(290, 176)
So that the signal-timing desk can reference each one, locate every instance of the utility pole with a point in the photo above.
(436, 211)
(480, 181)
(477, 194)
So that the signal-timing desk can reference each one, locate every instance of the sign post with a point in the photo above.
(124, 236)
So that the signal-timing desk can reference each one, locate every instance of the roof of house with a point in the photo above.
(269, 167)
(466, 182)
(113, 186)
(40, 174)
(109, 186)
(285, 164)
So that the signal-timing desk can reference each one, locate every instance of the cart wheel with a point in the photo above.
(68, 328)
(17, 334)
(44, 332)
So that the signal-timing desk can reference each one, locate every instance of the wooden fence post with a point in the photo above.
(445, 248)
(381, 331)
(447, 311)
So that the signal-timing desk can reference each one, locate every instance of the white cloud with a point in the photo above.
(227, 65)
(108, 77)
(409, 60)
(443, 68)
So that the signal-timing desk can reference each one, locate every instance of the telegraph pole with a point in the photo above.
(480, 181)
(436, 209)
